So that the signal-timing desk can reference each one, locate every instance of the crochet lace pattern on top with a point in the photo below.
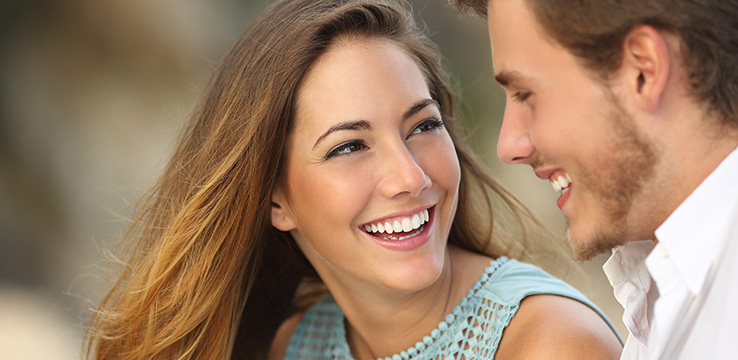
(471, 331)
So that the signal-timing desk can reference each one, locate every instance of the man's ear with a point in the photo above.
(646, 66)
(282, 217)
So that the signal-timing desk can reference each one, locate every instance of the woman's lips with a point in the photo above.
(403, 240)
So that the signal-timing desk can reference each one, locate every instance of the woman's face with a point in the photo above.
(372, 177)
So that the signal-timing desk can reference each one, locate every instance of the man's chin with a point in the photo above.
(587, 247)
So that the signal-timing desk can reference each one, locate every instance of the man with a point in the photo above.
(630, 110)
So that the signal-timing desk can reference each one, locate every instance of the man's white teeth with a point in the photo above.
(561, 183)
(405, 225)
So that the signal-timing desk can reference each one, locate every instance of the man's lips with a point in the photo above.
(565, 194)
(545, 173)
(560, 181)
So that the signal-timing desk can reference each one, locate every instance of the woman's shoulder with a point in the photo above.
(550, 318)
(320, 320)
(553, 319)
(281, 340)
(557, 327)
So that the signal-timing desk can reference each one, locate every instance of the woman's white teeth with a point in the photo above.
(397, 226)
(561, 183)
(415, 222)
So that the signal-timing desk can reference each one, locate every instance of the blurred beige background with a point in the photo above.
(91, 96)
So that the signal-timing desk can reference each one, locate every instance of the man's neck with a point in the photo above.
(690, 155)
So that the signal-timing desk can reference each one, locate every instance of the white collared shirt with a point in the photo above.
(681, 296)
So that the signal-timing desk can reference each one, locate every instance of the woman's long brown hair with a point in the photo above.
(206, 275)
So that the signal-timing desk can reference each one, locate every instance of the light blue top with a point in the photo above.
(471, 331)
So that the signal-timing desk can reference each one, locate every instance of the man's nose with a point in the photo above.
(514, 145)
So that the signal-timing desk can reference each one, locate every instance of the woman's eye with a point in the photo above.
(427, 125)
(346, 148)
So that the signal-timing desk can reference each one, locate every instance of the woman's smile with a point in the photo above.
(402, 232)
(399, 226)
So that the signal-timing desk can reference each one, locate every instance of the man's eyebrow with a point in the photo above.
(504, 77)
(347, 125)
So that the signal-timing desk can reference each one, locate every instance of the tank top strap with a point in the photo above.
(516, 280)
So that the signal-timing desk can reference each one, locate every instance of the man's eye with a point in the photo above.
(521, 96)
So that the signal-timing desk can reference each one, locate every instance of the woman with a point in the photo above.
(324, 160)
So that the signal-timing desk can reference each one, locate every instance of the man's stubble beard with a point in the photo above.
(615, 181)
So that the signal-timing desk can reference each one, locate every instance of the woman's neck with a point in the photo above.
(382, 323)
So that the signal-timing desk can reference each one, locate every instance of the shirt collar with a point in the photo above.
(626, 260)
(631, 284)
(691, 235)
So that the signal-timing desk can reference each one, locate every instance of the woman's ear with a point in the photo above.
(282, 217)
(646, 66)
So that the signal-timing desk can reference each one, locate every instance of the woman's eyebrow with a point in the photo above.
(348, 125)
(365, 125)
(419, 106)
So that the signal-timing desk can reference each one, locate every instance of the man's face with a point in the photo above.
(572, 130)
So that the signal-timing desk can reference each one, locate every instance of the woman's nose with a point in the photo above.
(403, 174)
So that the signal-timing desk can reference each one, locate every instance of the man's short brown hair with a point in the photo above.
(593, 31)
